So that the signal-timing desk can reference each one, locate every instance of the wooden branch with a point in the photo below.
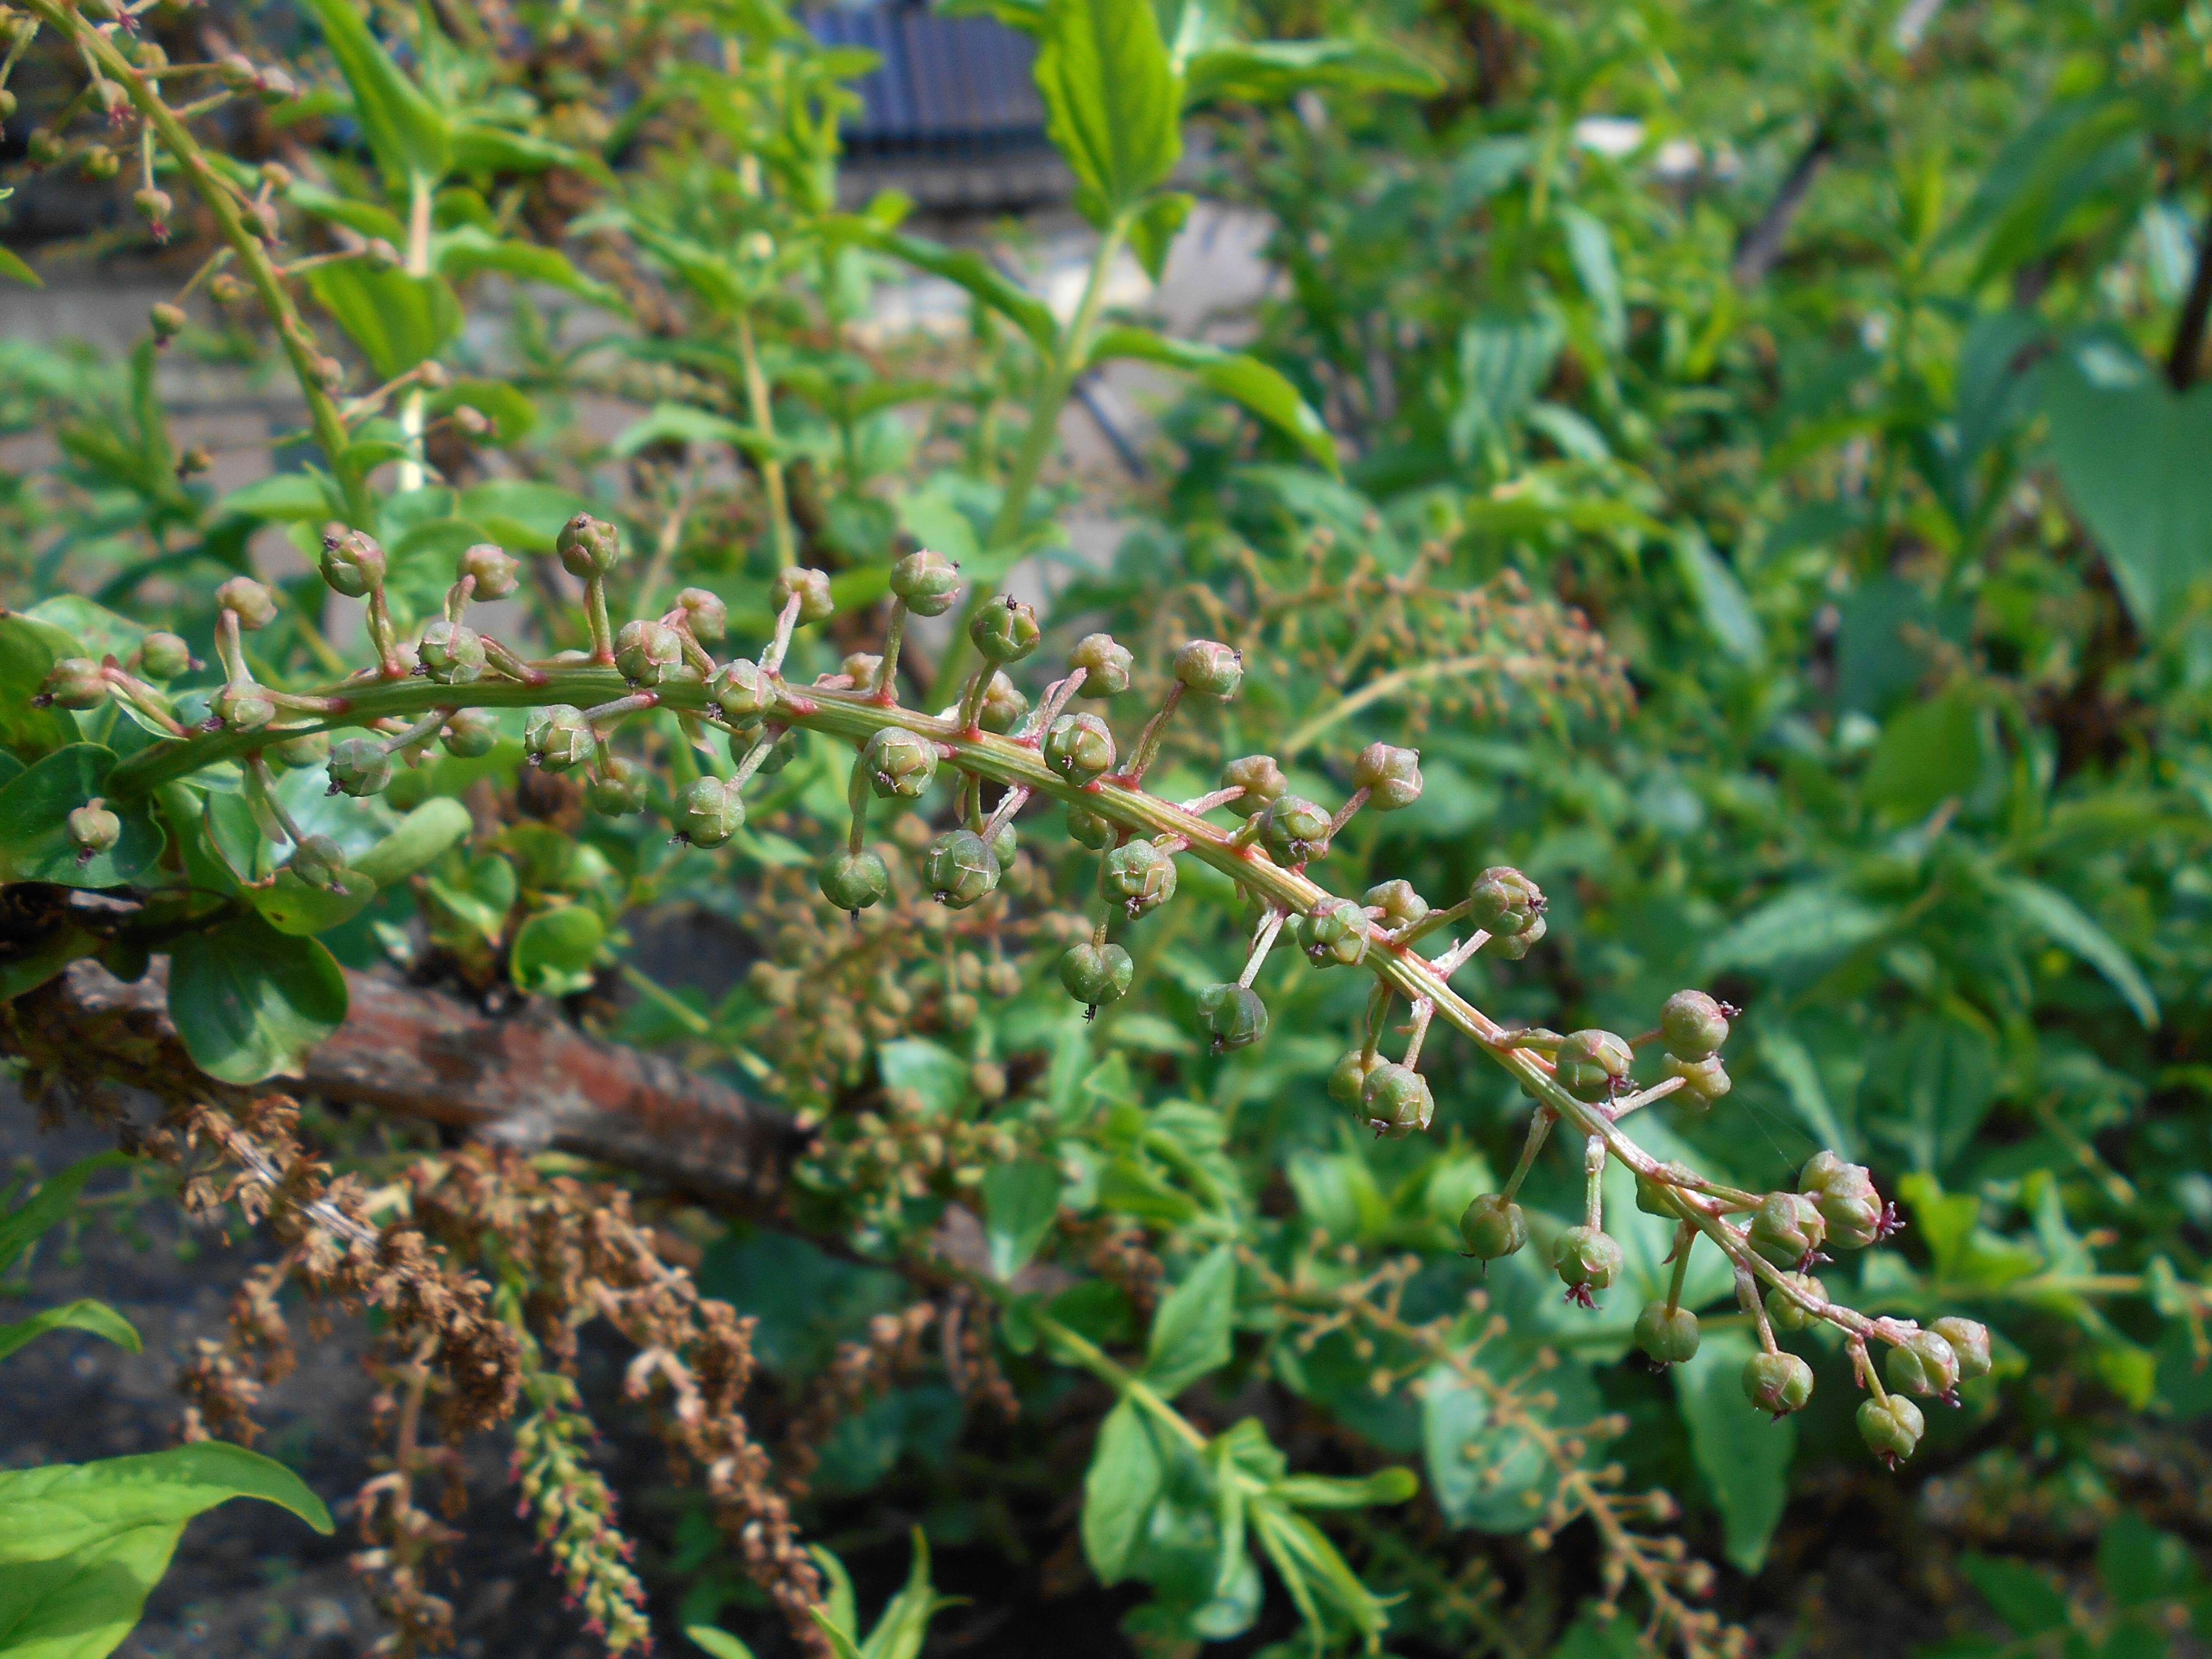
(528, 1081)
(1761, 247)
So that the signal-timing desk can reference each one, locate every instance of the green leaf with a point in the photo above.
(935, 1074)
(1799, 925)
(2140, 1564)
(1742, 1455)
(1268, 71)
(282, 498)
(2057, 917)
(1492, 1473)
(512, 415)
(2023, 1597)
(1027, 16)
(1152, 231)
(1946, 1224)
(1721, 603)
(406, 132)
(840, 1643)
(1307, 1560)
(1119, 1491)
(1590, 250)
(424, 834)
(34, 809)
(297, 908)
(478, 149)
(1190, 1332)
(554, 951)
(1931, 751)
(1233, 374)
(249, 1001)
(1020, 1202)
(900, 1632)
(522, 517)
(1113, 103)
(398, 320)
(12, 266)
(468, 249)
(82, 1315)
(682, 423)
(1324, 1492)
(984, 282)
(719, 1644)
(100, 630)
(29, 649)
(81, 1544)
(1793, 1066)
(55, 1198)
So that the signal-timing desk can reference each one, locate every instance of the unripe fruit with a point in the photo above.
(274, 86)
(1337, 934)
(1669, 1336)
(261, 218)
(853, 881)
(1096, 974)
(1140, 875)
(1592, 1064)
(929, 582)
(898, 763)
(495, 570)
(557, 737)
(709, 812)
(1703, 1081)
(469, 733)
(1260, 778)
(959, 869)
(588, 547)
(359, 766)
(1970, 1342)
(320, 862)
(1924, 1362)
(1503, 901)
(155, 207)
(194, 459)
(1514, 946)
(430, 374)
(1778, 1382)
(353, 561)
(253, 605)
(708, 616)
(619, 791)
(1090, 829)
(225, 290)
(1105, 665)
(1587, 1260)
(1401, 907)
(742, 692)
(1348, 1078)
(1294, 831)
(1079, 748)
(1005, 630)
(1396, 1101)
(1492, 1226)
(1692, 1025)
(1846, 1196)
(1787, 1229)
(1891, 1427)
(1392, 777)
(860, 667)
(167, 320)
(328, 372)
(100, 164)
(298, 754)
(1210, 668)
(1234, 1014)
(1003, 705)
(451, 653)
(76, 683)
(1784, 1310)
(7, 104)
(243, 706)
(93, 829)
(163, 656)
(647, 653)
(810, 587)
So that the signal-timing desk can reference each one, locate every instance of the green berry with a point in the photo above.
(557, 737)
(855, 881)
(1970, 1342)
(154, 206)
(1401, 907)
(254, 605)
(1787, 1229)
(810, 587)
(1337, 934)
(959, 869)
(76, 683)
(1785, 1312)
(1692, 1025)
(588, 547)
(929, 582)
(1492, 1226)
(1089, 828)
(352, 562)
(1847, 1200)
(1655, 1198)
(1003, 705)
(1588, 1260)
(1234, 1014)
(1294, 831)
(1106, 665)
(243, 706)
(1514, 946)
(359, 766)
(1392, 777)
(1096, 974)
(742, 692)
(709, 812)
(619, 791)
(1593, 1064)
(167, 320)
(1891, 1427)
(469, 733)
(163, 656)
(1703, 1081)
(649, 653)
(781, 753)
(1503, 902)
(298, 754)
(1348, 1078)
(1924, 1362)
(320, 862)
(1260, 778)
(704, 613)
(1079, 748)
(93, 829)
(1210, 668)
(1005, 630)
(1778, 1382)
(1396, 1101)
(1140, 875)
(898, 763)
(451, 653)
(1669, 1336)
(494, 571)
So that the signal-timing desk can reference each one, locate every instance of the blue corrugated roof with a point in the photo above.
(951, 86)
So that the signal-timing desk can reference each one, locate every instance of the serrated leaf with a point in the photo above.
(397, 319)
(1800, 924)
(406, 132)
(1113, 102)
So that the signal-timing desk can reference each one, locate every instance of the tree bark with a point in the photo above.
(527, 1081)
